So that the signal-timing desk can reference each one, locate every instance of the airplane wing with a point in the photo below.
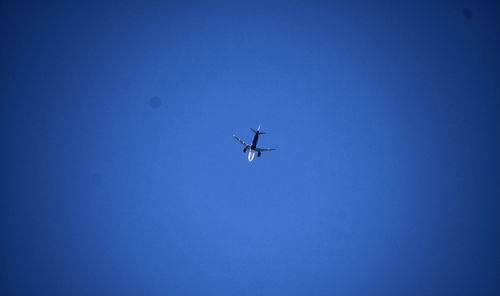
(241, 141)
(265, 149)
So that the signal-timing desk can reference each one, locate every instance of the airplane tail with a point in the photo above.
(258, 132)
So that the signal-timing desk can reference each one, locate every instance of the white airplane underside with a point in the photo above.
(251, 155)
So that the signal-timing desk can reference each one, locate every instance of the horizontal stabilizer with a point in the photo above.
(257, 131)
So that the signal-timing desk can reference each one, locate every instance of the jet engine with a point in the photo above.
(244, 150)
(258, 154)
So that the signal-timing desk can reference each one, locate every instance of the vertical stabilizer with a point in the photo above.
(257, 132)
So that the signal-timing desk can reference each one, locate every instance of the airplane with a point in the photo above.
(253, 148)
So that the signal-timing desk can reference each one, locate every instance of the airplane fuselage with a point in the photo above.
(253, 147)
(254, 141)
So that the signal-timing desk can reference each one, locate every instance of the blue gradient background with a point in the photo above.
(386, 116)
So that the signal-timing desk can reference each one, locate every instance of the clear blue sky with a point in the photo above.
(386, 116)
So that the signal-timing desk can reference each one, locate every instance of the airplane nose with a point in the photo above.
(251, 155)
